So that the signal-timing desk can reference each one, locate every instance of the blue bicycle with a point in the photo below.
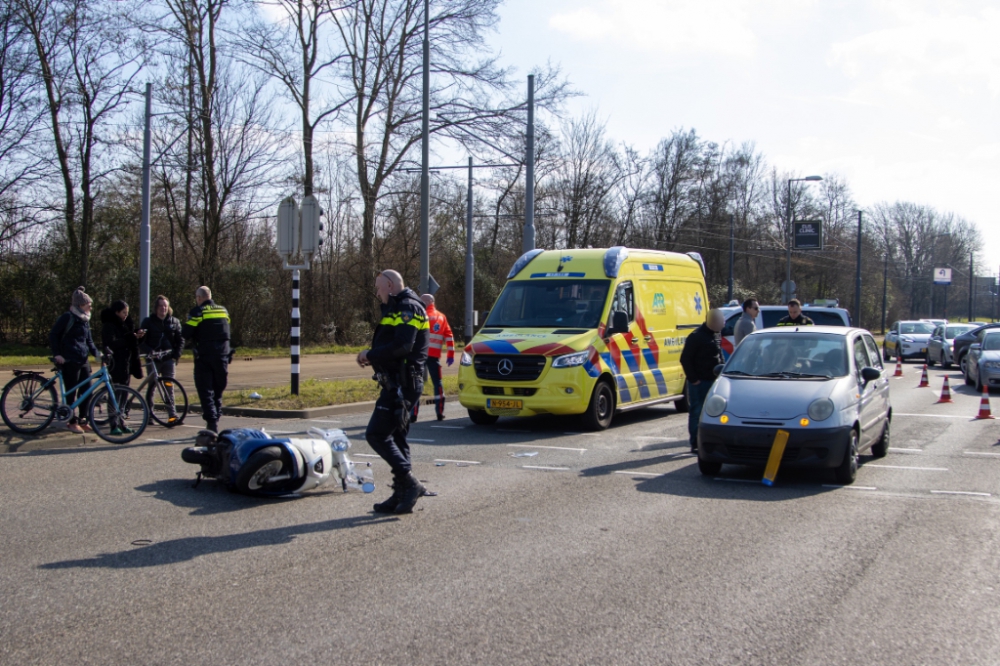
(30, 402)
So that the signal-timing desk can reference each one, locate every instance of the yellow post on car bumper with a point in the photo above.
(774, 460)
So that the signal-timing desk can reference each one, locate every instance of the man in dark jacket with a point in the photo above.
(71, 344)
(795, 316)
(398, 355)
(163, 336)
(702, 353)
(207, 331)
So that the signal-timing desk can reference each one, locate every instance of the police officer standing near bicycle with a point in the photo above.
(207, 332)
(398, 355)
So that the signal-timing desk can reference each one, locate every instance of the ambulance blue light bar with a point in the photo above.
(613, 260)
(523, 261)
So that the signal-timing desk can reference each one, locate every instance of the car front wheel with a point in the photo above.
(847, 472)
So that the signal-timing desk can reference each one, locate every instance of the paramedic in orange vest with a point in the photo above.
(440, 336)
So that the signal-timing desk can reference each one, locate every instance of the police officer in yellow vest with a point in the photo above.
(795, 316)
(207, 332)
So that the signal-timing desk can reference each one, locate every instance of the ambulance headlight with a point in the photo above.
(821, 409)
(570, 360)
(466, 358)
(715, 405)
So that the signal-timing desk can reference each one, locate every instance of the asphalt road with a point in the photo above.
(602, 548)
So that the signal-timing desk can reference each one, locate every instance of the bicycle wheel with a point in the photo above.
(24, 408)
(167, 398)
(122, 424)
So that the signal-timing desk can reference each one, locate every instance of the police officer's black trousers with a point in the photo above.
(211, 374)
(384, 433)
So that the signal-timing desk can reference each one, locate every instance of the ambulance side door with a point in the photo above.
(657, 323)
(623, 355)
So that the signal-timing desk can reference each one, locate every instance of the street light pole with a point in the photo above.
(732, 252)
(885, 289)
(857, 279)
(144, 232)
(469, 259)
(425, 198)
(528, 239)
(971, 282)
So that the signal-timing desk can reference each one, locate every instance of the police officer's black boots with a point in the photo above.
(411, 491)
(389, 505)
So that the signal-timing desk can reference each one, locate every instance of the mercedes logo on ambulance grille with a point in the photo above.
(505, 367)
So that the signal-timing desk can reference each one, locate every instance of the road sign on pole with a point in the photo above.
(942, 276)
(808, 235)
(298, 240)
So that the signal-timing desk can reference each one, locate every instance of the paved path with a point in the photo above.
(602, 548)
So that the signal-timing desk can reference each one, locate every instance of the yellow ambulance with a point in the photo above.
(587, 332)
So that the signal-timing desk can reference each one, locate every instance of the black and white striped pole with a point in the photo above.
(295, 332)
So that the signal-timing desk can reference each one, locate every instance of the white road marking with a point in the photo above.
(980, 453)
(959, 492)
(556, 448)
(637, 473)
(467, 462)
(834, 485)
(895, 450)
(936, 416)
(414, 439)
(926, 469)
(366, 455)
(554, 469)
(324, 420)
(450, 427)
(721, 478)
(656, 437)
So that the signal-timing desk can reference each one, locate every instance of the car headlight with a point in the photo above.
(993, 365)
(821, 409)
(904, 338)
(715, 405)
(466, 358)
(570, 360)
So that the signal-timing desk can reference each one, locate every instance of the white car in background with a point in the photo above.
(769, 315)
(907, 339)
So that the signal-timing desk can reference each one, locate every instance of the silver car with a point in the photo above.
(907, 339)
(824, 385)
(982, 365)
(940, 346)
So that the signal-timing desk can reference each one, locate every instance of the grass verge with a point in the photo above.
(318, 393)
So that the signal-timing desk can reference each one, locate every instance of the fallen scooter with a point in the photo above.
(251, 462)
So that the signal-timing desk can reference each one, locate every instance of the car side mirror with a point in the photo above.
(718, 369)
(975, 345)
(870, 374)
(619, 323)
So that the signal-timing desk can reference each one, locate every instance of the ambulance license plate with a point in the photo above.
(493, 403)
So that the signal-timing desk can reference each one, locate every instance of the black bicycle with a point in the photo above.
(167, 399)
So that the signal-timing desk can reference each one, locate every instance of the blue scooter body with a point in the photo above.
(246, 442)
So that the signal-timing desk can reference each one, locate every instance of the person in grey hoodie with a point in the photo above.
(745, 326)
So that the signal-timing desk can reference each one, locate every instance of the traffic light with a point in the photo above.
(288, 228)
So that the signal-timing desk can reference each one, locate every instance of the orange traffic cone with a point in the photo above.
(945, 391)
(984, 405)
(924, 383)
(899, 367)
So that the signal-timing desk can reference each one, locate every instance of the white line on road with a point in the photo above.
(656, 437)
(637, 473)
(467, 462)
(324, 420)
(895, 450)
(554, 469)
(936, 416)
(959, 492)
(366, 455)
(834, 485)
(980, 453)
(423, 441)
(925, 469)
(450, 427)
(556, 448)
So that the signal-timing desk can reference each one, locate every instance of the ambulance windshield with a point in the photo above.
(550, 304)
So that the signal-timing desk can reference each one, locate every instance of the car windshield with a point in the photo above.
(915, 328)
(550, 304)
(790, 355)
(953, 332)
(991, 342)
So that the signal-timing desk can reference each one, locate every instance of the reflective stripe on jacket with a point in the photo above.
(207, 329)
(401, 336)
(440, 334)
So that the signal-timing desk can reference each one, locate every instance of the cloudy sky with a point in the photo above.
(898, 96)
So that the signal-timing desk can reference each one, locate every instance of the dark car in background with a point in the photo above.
(960, 345)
